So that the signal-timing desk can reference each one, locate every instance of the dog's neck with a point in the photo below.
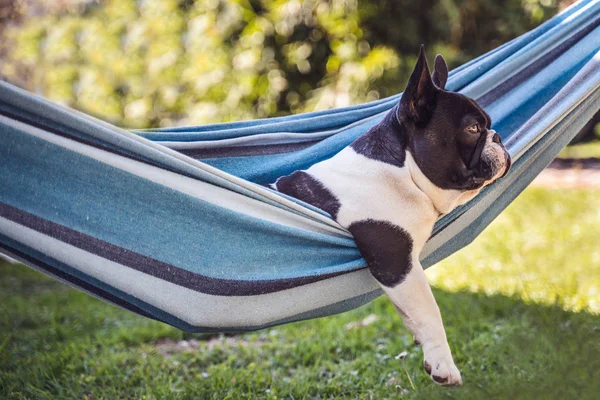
(384, 142)
(387, 142)
(443, 200)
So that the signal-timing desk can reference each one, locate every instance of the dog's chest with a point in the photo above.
(367, 189)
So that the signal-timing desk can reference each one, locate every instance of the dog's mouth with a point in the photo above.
(507, 163)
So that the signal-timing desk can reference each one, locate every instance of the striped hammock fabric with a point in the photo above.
(174, 224)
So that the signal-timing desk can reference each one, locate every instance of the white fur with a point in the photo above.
(417, 306)
(371, 189)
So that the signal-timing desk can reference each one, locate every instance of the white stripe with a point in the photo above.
(531, 52)
(250, 186)
(254, 140)
(264, 138)
(196, 308)
(7, 259)
(19, 259)
(111, 134)
(569, 97)
(201, 190)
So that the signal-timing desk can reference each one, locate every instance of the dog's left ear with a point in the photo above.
(418, 100)
(440, 72)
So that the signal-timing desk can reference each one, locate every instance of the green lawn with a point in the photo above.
(520, 306)
(582, 150)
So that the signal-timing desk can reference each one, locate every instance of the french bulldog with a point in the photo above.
(432, 152)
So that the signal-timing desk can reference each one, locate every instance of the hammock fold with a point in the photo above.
(174, 224)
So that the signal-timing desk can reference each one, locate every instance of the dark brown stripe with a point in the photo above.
(150, 266)
(535, 67)
(242, 151)
(39, 123)
(75, 281)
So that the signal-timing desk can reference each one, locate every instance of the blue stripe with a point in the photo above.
(127, 212)
(508, 113)
(53, 268)
(109, 204)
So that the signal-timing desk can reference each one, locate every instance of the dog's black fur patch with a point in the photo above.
(306, 188)
(384, 142)
(386, 248)
(432, 124)
(435, 121)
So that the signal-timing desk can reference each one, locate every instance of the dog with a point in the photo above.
(432, 152)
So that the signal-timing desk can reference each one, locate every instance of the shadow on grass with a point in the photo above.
(57, 343)
(509, 349)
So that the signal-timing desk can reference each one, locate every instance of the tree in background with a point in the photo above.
(151, 63)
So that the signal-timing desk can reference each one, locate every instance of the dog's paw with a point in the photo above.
(442, 370)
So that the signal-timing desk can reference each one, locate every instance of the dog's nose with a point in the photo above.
(497, 138)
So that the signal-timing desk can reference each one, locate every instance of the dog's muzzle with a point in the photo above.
(493, 157)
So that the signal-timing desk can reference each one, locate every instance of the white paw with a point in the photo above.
(441, 368)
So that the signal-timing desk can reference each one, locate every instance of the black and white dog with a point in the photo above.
(431, 153)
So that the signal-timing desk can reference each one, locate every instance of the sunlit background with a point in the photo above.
(156, 63)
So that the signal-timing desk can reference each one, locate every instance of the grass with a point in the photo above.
(520, 306)
(581, 150)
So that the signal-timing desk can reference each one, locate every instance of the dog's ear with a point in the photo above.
(418, 99)
(440, 72)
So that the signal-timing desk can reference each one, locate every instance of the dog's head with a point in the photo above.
(449, 134)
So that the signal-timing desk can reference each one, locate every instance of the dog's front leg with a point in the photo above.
(392, 256)
(414, 300)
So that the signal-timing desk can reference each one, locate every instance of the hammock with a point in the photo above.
(174, 224)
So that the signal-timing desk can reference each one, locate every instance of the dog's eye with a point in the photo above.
(475, 128)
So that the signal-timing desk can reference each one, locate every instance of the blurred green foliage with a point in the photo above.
(151, 63)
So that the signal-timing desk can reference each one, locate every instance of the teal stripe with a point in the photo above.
(109, 204)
